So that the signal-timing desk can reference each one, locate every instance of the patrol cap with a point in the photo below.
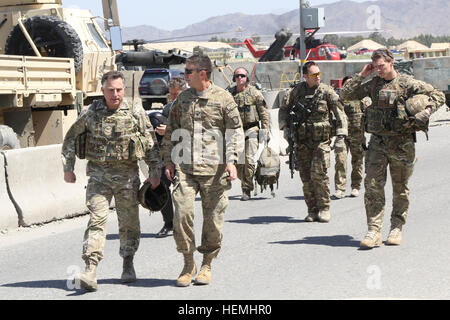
(417, 103)
(153, 200)
(157, 118)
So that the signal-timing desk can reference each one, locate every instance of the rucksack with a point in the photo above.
(268, 170)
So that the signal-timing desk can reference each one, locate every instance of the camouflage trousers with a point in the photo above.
(312, 162)
(246, 171)
(99, 193)
(214, 199)
(399, 153)
(353, 143)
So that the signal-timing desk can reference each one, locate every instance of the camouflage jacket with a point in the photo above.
(200, 131)
(111, 138)
(326, 103)
(252, 106)
(353, 111)
(387, 115)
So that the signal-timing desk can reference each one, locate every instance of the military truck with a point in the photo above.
(40, 96)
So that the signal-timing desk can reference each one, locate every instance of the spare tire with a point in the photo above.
(158, 87)
(52, 36)
(8, 138)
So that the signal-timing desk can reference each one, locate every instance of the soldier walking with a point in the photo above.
(116, 134)
(392, 139)
(201, 116)
(354, 143)
(253, 110)
(176, 86)
(314, 105)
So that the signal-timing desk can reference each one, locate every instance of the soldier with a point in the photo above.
(176, 85)
(314, 104)
(117, 134)
(252, 108)
(201, 116)
(354, 143)
(392, 139)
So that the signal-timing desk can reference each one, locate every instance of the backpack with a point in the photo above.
(268, 169)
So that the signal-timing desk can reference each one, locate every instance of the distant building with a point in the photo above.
(436, 50)
(365, 44)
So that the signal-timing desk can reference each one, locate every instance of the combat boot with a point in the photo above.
(312, 216)
(88, 279)
(189, 270)
(128, 273)
(204, 275)
(245, 195)
(339, 194)
(395, 237)
(372, 239)
(355, 193)
(324, 215)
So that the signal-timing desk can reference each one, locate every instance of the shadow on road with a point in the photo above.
(295, 198)
(332, 241)
(115, 236)
(64, 285)
(267, 220)
(235, 198)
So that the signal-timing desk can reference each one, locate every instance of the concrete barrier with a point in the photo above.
(35, 178)
(8, 214)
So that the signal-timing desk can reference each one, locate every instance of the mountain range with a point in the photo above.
(396, 18)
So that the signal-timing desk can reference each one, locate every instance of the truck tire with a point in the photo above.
(159, 87)
(8, 138)
(52, 36)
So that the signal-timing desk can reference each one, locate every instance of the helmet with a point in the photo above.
(157, 118)
(417, 103)
(153, 200)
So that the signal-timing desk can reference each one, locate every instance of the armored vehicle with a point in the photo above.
(40, 97)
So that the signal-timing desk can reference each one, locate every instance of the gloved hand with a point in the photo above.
(423, 116)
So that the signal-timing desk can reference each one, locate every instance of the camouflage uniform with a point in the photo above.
(391, 142)
(252, 109)
(212, 112)
(353, 143)
(313, 138)
(115, 140)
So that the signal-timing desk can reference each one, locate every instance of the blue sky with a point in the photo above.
(177, 14)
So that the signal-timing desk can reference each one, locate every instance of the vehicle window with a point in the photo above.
(321, 52)
(149, 77)
(97, 37)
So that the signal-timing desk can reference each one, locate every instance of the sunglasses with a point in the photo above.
(189, 71)
(240, 75)
(315, 75)
(383, 52)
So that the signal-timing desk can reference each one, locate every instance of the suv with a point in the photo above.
(154, 87)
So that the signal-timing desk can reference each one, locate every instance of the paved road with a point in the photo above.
(269, 252)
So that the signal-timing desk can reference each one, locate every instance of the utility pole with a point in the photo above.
(302, 41)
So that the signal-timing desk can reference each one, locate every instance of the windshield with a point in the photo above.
(149, 77)
(97, 37)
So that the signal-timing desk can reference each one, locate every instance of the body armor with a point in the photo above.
(246, 102)
(318, 126)
(387, 115)
(113, 136)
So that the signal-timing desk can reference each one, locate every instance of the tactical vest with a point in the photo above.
(387, 115)
(113, 137)
(319, 125)
(354, 113)
(246, 102)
